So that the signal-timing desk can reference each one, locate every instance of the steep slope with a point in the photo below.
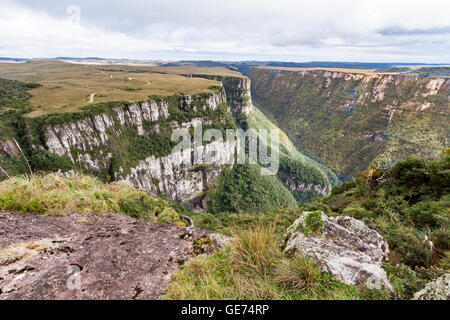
(349, 119)
(131, 142)
(303, 176)
(408, 204)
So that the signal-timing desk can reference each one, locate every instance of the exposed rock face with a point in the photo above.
(176, 176)
(95, 131)
(302, 187)
(350, 119)
(95, 142)
(9, 148)
(105, 256)
(343, 246)
(438, 289)
(238, 90)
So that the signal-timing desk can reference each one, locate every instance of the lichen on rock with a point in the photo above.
(344, 247)
(438, 289)
(211, 243)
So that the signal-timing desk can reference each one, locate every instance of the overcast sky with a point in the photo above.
(344, 30)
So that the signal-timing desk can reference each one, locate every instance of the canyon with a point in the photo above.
(348, 119)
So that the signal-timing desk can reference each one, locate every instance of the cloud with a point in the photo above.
(406, 32)
(277, 30)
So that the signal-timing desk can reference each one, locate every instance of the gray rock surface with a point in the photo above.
(344, 247)
(438, 289)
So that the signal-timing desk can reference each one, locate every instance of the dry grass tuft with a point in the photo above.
(254, 267)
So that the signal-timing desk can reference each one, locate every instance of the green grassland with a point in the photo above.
(52, 194)
(65, 87)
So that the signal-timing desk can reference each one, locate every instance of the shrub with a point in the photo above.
(313, 222)
(409, 204)
(405, 280)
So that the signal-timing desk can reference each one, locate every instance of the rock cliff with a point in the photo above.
(238, 91)
(131, 142)
(99, 142)
(349, 119)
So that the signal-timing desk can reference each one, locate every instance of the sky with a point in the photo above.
(318, 30)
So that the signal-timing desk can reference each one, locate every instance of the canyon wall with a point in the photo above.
(131, 142)
(348, 120)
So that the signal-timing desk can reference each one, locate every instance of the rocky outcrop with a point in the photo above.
(104, 256)
(9, 148)
(343, 246)
(438, 289)
(296, 186)
(97, 130)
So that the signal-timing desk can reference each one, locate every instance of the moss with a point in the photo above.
(169, 215)
(202, 245)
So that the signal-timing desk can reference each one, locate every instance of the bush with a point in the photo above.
(243, 188)
(406, 282)
(409, 204)
(168, 215)
(429, 213)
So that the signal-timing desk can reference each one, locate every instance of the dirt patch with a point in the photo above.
(105, 256)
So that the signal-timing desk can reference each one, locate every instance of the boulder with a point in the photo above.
(438, 289)
(343, 246)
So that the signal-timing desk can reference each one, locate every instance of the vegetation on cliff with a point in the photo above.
(348, 120)
(295, 168)
(408, 204)
(53, 194)
(243, 188)
(125, 145)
